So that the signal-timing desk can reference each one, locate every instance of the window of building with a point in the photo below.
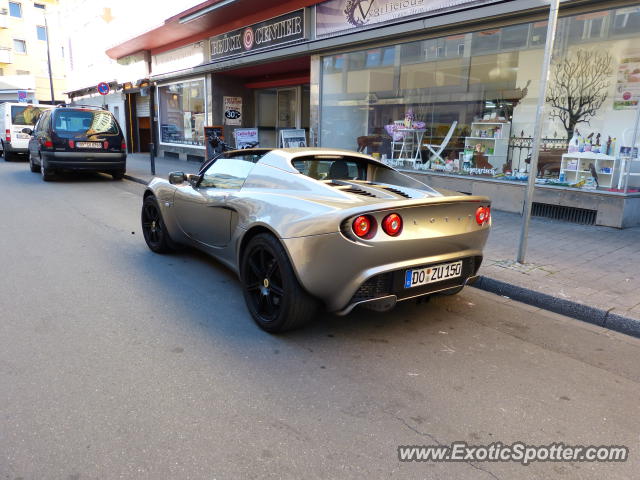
(23, 72)
(182, 112)
(19, 46)
(42, 33)
(15, 9)
(40, 6)
(465, 104)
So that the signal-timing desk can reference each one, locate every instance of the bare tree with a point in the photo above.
(578, 88)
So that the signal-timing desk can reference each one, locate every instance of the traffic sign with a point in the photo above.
(22, 96)
(103, 88)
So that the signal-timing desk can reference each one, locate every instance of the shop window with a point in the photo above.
(41, 6)
(182, 113)
(514, 37)
(626, 21)
(15, 9)
(465, 104)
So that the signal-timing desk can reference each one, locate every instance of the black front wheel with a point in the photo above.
(153, 227)
(276, 300)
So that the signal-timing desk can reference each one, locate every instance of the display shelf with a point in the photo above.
(496, 137)
(580, 162)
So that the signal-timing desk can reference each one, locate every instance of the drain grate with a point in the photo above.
(562, 212)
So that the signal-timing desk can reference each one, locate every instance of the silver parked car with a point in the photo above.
(307, 227)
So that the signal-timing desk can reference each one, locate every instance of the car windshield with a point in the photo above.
(332, 168)
(85, 122)
(25, 115)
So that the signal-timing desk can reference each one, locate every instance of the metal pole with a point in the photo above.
(46, 29)
(537, 131)
(634, 140)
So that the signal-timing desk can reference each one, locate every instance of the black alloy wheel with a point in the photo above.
(153, 227)
(276, 300)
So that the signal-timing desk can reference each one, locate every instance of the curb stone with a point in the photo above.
(579, 311)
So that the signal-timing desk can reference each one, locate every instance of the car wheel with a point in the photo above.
(153, 227)
(119, 175)
(276, 300)
(45, 171)
(8, 156)
(32, 166)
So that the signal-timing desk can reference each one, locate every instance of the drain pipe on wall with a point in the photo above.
(537, 131)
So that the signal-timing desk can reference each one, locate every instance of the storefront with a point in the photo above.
(444, 90)
(458, 109)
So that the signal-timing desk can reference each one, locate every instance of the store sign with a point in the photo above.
(270, 33)
(178, 59)
(341, 16)
(232, 110)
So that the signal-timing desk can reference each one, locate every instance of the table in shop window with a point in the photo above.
(409, 145)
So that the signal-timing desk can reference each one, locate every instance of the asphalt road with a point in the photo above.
(119, 363)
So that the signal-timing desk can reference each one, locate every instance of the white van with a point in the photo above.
(13, 118)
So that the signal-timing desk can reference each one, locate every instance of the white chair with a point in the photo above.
(436, 150)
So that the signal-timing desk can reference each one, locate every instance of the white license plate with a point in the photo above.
(437, 273)
(22, 136)
(89, 145)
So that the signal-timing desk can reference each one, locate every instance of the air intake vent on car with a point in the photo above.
(397, 192)
(357, 191)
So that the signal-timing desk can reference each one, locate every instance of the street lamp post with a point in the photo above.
(537, 130)
(46, 29)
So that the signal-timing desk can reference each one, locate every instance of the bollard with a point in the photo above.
(152, 157)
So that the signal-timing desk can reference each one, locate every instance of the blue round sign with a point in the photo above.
(103, 88)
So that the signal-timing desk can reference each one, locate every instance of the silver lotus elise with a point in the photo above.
(307, 227)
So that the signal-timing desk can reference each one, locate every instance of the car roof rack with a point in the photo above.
(93, 107)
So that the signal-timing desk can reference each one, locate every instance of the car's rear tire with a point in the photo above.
(276, 300)
(153, 227)
(118, 175)
(32, 166)
(45, 171)
(8, 156)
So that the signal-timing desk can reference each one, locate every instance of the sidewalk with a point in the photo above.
(598, 267)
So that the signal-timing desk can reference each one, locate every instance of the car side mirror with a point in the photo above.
(194, 179)
(176, 178)
(28, 131)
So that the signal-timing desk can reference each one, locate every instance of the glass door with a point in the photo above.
(277, 109)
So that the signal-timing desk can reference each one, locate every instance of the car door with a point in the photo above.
(202, 211)
(34, 144)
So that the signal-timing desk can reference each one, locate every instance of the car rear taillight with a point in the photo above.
(105, 145)
(72, 144)
(123, 146)
(7, 135)
(483, 215)
(392, 224)
(364, 225)
(48, 144)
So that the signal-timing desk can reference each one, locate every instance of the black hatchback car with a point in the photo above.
(77, 138)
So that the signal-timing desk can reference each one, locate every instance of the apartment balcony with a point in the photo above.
(6, 56)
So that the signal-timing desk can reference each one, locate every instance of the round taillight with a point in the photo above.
(363, 225)
(105, 144)
(123, 146)
(483, 215)
(392, 224)
(72, 144)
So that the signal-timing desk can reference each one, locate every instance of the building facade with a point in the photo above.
(25, 26)
(446, 91)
